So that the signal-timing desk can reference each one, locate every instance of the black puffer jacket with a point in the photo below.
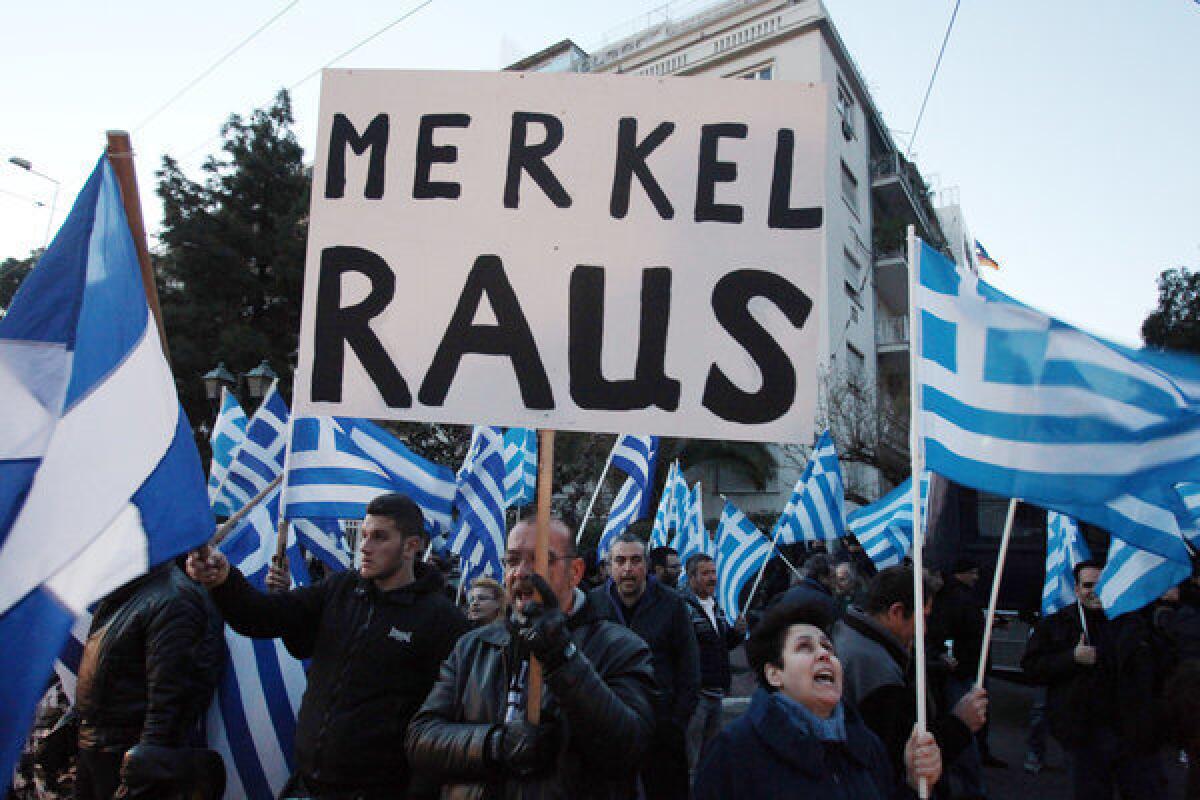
(374, 656)
(714, 643)
(601, 697)
(150, 664)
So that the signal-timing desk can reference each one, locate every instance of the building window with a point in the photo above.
(849, 188)
(758, 74)
(855, 364)
(852, 293)
(853, 268)
(845, 108)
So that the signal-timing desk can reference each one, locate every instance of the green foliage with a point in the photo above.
(12, 272)
(1175, 324)
(231, 255)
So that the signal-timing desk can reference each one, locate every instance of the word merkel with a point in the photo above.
(579, 252)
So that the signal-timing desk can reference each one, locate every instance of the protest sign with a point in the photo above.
(578, 252)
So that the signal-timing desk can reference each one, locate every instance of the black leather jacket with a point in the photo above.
(714, 644)
(150, 664)
(601, 696)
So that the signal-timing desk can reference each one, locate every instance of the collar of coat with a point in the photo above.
(427, 579)
(862, 623)
(788, 743)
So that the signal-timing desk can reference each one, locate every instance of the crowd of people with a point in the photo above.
(609, 679)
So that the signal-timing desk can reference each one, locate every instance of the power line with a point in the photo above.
(932, 78)
(214, 65)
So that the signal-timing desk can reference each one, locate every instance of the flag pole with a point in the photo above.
(120, 157)
(991, 611)
(596, 492)
(281, 534)
(914, 326)
(545, 485)
(228, 525)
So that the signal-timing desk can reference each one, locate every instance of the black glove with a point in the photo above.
(543, 628)
(524, 749)
(55, 750)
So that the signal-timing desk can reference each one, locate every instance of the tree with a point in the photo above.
(231, 252)
(867, 427)
(1175, 324)
(12, 272)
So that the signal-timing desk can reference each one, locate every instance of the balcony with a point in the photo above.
(901, 193)
(891, 333)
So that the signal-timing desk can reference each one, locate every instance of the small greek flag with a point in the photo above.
(741, 553)
(228, 432)
(1134, 578)
(520, 464)
(885, 528)
(259, 459)
(816, 510)
(635, 456)
(670, 507)
(1065, 548)
(479, 535)
(692, 537)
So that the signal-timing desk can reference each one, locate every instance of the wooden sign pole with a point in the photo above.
(545, 485)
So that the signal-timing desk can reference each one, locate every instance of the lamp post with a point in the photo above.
(256, 383)
(215, 380)
(27, 165)
(259, 380)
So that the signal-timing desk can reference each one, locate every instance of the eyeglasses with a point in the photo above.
(513, 560)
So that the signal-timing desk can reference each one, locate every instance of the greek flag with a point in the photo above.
(1134, 578)
(816, 510)
(228, 432)
(637, 456)
(692, 537)
(520, 465)
(1019, 404)
(99, 475)
(741, 553)
(669, 515)
(623, 512)
(325, 539)
(885, 528)
(479, 538)
(252, 719)
(333, 472)
(259, 459)
(1065, 548)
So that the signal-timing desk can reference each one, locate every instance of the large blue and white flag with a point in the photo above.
(259, 459)
(623, 513)
(670, 507)
(637, 457)
(228, 433)
(520, 463)
(479, 535)
(1014, 402)
(1134, 578)
(325, 539)
(1065, 548)
(333, 472)
(252, 719)
(816, 511)
(885, 528)
(693, 537)
(742, 551)
(99, 475)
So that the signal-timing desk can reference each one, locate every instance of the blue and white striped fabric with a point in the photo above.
(816, 510)
(1019, 404)
(252, 719)
(1065, 548)
(670, 507)
(741, 552)
(430, 485)
(330, 476)
(99, 475)
(622, 514)
(885, 528)
(520, 464)
(692, 537)
(637, 456)
(326, 540)
(228, 432)
(1134, 578)
(259, 459)
(479, 538)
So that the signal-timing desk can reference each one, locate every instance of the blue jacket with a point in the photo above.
(764, 754)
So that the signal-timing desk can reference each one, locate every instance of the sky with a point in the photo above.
(1069, 131)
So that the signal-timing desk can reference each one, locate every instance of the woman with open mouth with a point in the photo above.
(798, 738)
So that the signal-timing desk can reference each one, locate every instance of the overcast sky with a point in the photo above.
(1069, 130)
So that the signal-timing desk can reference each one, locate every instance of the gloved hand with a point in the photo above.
(524, 749)
(55, 750)
(543, 628)
(140, 769)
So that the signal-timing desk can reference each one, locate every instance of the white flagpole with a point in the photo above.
(599, 485)
(991, 610)
(918, 466)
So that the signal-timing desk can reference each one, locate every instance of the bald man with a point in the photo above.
(472, 735)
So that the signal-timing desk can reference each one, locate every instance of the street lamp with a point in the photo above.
(216, 379)
(27, 165)
(259, 380)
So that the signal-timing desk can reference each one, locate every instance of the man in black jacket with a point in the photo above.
(376, 638)
(660, 616)
(715, 637)
(815, 586)
(473, 735)
(1102, 696)
(148, 670)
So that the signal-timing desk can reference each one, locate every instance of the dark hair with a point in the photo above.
(658, 556)
(627, 536)
(695, 560)
(819, 566)
(1090, 563)
(890, 586)
(402, 511)
(766, 642)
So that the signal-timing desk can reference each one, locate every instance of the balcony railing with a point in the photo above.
(891, 330)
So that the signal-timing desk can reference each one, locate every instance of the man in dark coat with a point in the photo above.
(148, 670)
(660, 616)
(473, 736)
(375, 637)
(1103, 678)
(815, 587)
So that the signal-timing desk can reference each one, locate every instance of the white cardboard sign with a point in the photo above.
(578, 252)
